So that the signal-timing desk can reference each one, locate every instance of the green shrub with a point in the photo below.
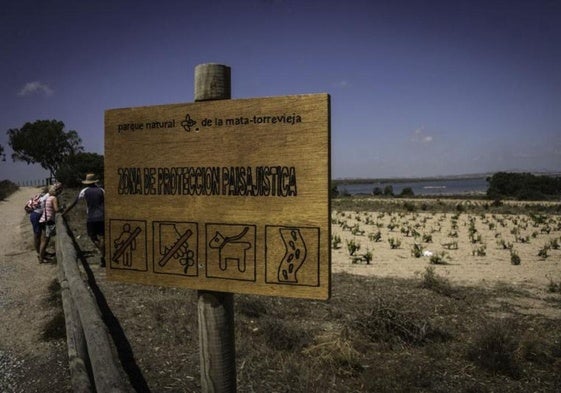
(375, 237)
(417, 250)
(407, 192)
(353, 246)
(480, 251)
(514, 257)
(367, 256)
(543, 252)
(439, 259)
(504, 245)
(409, 206)
(434, 282)
(394, 243)
(336, 242)
(450, 245)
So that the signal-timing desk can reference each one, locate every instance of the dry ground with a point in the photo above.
(32, 355)
(480, 260)
(398, 324)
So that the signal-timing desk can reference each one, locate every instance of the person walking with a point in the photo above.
(35, 208)
(50, 207)
(94, 196)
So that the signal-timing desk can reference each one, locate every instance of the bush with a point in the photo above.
(409, 206)
(394, 243)
(514, 257)
(388, 190)
(417, 250)
(494, 349)
(388, 325)
(336, 242)
(439, 259)
(7, 188)
(543, 252)
(352, 246)
(375, 237)
(367, 256)
(436, 283)
(407, 192)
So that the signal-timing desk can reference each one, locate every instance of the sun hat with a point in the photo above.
(90, 179)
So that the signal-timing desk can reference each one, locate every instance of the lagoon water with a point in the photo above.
(423, 187)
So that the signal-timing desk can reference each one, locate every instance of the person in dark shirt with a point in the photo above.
(94, 196)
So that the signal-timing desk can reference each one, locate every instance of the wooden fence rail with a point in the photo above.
(93, 361)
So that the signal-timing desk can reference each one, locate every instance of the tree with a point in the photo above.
(388, 190)
(523, 186)
(44, 142)
(334, 192)
(76, 166)
(2, 155)
(407, 192)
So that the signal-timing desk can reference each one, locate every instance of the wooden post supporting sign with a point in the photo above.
(215, 309)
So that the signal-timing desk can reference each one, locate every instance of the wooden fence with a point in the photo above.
(35, 182)
(93, 360)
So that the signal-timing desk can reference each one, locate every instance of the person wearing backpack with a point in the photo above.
(35, 209)
(47, 219)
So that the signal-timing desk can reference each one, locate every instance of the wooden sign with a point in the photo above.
(228, 196)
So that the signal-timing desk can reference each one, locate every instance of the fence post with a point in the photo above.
(215, 309)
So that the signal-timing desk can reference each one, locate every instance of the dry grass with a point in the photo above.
(375, 334)
(54, 328)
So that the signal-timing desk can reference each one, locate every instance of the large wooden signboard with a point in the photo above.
(228, 196)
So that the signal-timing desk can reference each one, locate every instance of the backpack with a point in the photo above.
(33, 203)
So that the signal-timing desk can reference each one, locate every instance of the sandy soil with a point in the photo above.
(464, 266)
(27, 362)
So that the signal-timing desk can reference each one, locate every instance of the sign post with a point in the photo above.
(217, 341)
(222, 196)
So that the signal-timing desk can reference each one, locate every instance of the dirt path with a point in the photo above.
(28, 363)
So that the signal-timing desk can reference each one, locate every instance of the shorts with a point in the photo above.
(37, 227)
(95, 229)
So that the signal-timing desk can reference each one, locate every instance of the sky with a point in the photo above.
(418, 88)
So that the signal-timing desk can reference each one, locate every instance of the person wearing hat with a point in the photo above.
(95, 222)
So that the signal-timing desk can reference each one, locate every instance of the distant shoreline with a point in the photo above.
(336, 182)
(395, 180)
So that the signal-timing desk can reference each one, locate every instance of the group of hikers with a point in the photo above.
(44, 207)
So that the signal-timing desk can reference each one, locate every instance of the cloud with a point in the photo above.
(341, 84)
(419, 136)
(35, 87)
